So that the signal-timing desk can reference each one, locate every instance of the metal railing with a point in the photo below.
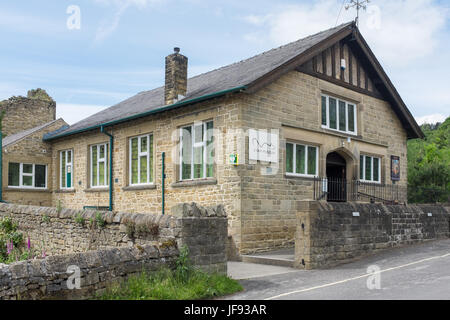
(341, 190)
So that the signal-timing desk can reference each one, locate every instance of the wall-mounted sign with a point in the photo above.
(395, 168)
(263, 146)
(234, 158)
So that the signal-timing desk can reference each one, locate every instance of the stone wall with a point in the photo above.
(291, 104)
(30, 149)
(333, 233)
(202, 229)
(23, 113)
(48, 278)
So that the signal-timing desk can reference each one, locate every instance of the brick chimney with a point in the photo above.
(176, 77)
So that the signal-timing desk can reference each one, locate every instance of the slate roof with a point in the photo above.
(230, 77)
(16, 137)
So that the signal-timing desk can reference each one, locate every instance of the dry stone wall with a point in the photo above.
(52, 277)
(73, 236)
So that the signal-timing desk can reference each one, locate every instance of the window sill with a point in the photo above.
(295, 176)
(96, 189)
(65, 191)
(26, 190)
(142, 187)
(194, 183)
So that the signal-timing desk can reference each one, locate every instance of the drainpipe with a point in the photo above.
(111, 148)
(163, 180)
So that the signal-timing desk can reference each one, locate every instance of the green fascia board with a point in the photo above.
(144, 114)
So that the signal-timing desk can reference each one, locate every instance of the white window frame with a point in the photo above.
(67, 165)
(294, 151)
(99, 160)
(140, 154)
(32, 174)
(327, 126)
(371, 171)
(193, 146)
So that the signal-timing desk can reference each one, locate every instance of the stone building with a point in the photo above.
(257, 136)
(27, 159)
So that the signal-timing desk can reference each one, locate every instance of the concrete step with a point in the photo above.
(268, 261)
(280, 257)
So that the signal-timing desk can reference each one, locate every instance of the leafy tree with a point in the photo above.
(429, 165)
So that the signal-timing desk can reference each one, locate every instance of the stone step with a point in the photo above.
(268, 260)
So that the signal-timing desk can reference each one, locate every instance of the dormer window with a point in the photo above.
(338, 114)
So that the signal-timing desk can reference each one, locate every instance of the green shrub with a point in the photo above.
(100, 221)
(79, 219)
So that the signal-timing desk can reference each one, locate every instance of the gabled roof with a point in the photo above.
(14, 138)
(245, 76)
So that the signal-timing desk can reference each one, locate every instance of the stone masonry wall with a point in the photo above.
(30, 149)
(48, 278)
(23, 113)
(202, 229)
(330, 233)
(291, 105)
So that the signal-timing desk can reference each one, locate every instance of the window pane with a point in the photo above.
(376, 165)
(300, 159)
(63, 169)
(351, 118)
(39, 176)
(134, 160)
(289, 157)
(144, 144)
(198, 162)
(27, 168)
(361, 167)
(102, 151)
(27, 181)
(101, 174)
(144, 169)
(312, 160)
(151, 158)
(333, 114)
(94, 165)
(209, 150)
(186, 153)
(198, 133)
(342, 116)
(368, 168)
(69, 176)
(13, 174)
(324, 110)
(69, 156)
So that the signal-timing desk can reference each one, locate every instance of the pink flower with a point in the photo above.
(29, 244)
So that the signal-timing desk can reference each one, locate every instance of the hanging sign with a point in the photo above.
(263, 146)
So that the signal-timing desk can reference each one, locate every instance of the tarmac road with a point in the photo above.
(412, 272)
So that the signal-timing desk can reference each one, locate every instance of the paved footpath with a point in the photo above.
(413, 272)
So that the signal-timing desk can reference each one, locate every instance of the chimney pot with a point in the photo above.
(176, 50)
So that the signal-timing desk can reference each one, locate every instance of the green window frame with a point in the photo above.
(197, 151)
(141, 160)
(369, 169)
(304, 157)
(338, 115)
(99, 173)
(27, 175)
(66, 169)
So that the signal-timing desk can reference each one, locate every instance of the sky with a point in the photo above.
(92, 54)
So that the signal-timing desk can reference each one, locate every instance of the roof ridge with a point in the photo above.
(271, 50)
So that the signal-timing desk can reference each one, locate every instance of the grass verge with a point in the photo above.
(183, 283)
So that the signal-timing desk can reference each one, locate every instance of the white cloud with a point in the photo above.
(407, 30)
(431, 118)
(73, 113)
(108, 26)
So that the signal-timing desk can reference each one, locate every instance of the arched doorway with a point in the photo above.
(336, 170)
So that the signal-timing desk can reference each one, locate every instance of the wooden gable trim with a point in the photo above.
(403, 112)
(298, 60)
